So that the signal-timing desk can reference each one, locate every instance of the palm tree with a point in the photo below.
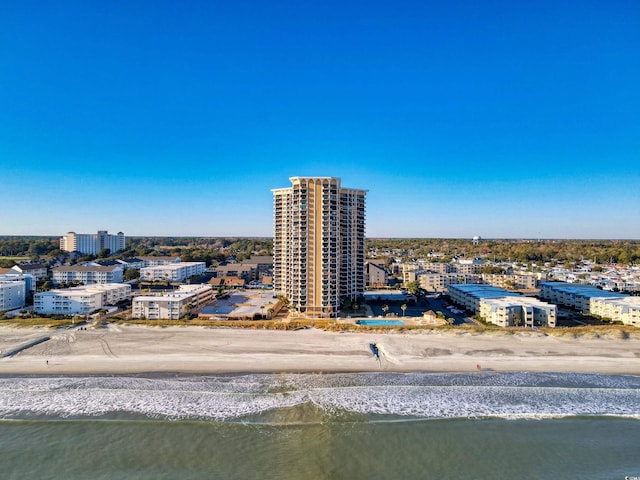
(385, 308)
(403, 307)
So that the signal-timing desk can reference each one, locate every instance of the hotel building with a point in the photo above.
(318, 244)
(92, 243)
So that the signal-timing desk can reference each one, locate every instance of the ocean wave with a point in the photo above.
(379, 395)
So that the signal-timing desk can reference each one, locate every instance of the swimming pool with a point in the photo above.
(380, 323)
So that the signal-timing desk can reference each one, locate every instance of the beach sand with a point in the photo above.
(138, 349)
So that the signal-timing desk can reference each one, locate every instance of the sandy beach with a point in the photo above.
(138, 349)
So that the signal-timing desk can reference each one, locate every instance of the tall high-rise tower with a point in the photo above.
(318, 244)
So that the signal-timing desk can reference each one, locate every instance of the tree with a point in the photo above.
(414, 287)
(385, 308)
(492, 269)
(403, 307)
(131, 274)
(346, 305)
(104, 253)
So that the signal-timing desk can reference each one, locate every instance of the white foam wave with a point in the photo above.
(398, 395)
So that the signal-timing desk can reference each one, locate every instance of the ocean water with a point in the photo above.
(483, 425)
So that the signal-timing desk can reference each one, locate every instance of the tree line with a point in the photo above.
(217, 249)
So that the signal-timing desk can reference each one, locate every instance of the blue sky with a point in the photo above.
(462, 118)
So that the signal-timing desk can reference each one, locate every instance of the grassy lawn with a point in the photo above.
(15, 259)
(38, 322)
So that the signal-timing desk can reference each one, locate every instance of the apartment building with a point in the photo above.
(574, 295)
(156, 260)
(518, 311)
(87, 275)
(172, 272)
(410, 272)
(247, 272)
(12, 295)
(318, 244)
(375, 275)
(13, 276)
(468, 267)
(470, 295)
(618, 309)
(37, 270)
(516, 281)
(92, 243)
(438, 267)
(439, 282)
(173, 305)
(81, 300)
(504, 308)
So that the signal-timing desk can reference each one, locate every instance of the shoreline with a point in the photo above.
(149, 350)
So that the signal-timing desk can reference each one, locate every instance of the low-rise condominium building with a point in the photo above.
(503, 308)
(173, 305)
(81, 300)
(172, 272)
(518, 311)
(155, 260)
(37, 270)
(617, 309)
(87, 275)
(13, 276)
(12, 295)
(574, 295)
(375, 275)
(439, 282)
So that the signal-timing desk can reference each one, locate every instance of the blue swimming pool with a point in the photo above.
(380, 323)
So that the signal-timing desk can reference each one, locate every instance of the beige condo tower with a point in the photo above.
(318, 244)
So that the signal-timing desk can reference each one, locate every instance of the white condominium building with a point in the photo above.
(503, 308)
(618, 309)
(173, 305)
(37, 270)
(439, 282)
(520, 281)
(81, 300)
(12, 294)
(574, 295)
(92, 243)
(518, 312)
(470, 295)
(13, 276)
(155, 260)
(88, 275)
(318, 244)
(172, 272)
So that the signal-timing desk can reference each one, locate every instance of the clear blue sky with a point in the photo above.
(494, 118)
